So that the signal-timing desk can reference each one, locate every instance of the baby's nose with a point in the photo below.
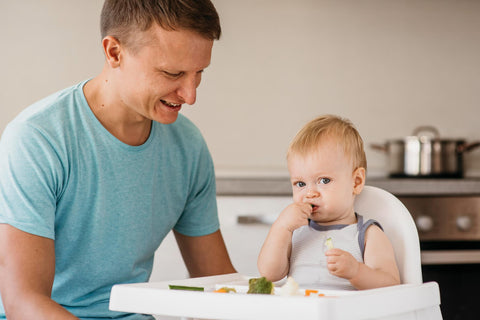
(312, 192)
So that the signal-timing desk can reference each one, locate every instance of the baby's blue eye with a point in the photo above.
(300, 184)
(324, 181)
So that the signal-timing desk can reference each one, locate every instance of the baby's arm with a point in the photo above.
(274, 258)
(379, 268)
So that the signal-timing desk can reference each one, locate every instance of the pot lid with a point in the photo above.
(428, 134)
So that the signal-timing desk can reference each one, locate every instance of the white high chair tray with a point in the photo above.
(398, 302)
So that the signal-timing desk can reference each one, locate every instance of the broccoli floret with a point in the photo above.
(260, 285)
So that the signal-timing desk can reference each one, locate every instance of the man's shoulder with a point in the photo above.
(50, 121)
(51, 108)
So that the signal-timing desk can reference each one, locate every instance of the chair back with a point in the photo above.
(398, 225)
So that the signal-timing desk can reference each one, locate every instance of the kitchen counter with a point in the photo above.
(280, 186)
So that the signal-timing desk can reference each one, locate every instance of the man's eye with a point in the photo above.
(173, 75)
(324, 180)
(300, 184)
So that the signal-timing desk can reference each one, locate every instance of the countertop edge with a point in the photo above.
(280, 186)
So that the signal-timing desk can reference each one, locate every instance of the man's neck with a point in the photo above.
(126, 126)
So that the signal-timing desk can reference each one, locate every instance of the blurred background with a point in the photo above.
(388, 65)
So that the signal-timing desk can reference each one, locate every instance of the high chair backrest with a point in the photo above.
(398, 225)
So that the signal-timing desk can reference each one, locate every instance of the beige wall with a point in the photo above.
(388, 65)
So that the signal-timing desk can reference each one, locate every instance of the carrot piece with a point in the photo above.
(222, 290)
(308, 292)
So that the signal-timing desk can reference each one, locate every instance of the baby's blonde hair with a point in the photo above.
(330, 126)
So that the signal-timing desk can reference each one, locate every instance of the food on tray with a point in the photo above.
(290, 288)
(260, 285)
(313, 293)
(175, 287)
(226, 290)
(309, 292)
(329, 243)
(257, 286)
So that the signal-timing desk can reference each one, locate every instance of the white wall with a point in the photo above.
(46, 45)
(388, 65)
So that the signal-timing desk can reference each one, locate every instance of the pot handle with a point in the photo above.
(430, 129)
(379, 147)
(468, 147)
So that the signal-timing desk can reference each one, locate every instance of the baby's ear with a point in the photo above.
(358, 180)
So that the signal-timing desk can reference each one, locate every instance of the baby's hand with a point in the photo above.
(341, 263)
(294, 216)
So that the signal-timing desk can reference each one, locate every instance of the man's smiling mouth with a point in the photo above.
(170, 104)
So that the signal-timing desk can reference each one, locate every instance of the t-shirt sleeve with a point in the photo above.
(200, 215)
(28, 182)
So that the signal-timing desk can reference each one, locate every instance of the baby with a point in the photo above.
(327, 164)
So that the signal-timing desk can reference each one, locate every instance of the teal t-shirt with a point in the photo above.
(107, 205)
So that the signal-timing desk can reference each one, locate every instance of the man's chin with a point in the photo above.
(166, 115)
(166, 120)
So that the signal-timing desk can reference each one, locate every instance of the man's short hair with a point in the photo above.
(123, 19)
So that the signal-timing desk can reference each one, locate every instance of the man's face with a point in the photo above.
(162, 75)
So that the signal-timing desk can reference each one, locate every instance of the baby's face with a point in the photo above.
(324, 178)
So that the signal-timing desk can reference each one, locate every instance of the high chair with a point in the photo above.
(398, 225)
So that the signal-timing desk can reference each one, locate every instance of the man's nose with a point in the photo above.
(188, 90)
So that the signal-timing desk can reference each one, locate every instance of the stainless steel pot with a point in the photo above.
(425, 154)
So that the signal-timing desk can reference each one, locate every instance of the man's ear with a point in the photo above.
(358, 180)
(112, 50)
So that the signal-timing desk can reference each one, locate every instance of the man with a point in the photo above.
(92, 178)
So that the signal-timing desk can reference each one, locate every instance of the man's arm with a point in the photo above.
(27, 269)
(204, 255)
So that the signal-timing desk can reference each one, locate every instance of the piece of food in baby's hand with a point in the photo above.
(329, 243)
(260, 285)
